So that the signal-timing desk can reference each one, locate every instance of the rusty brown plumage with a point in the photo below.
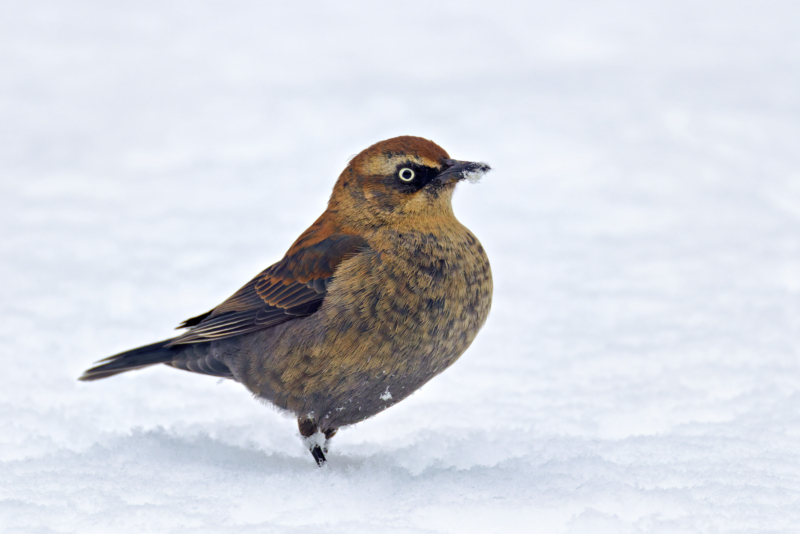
(384, 291)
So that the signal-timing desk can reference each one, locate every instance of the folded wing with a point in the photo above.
(294, 287)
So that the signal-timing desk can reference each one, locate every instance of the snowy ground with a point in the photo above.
(640, 371)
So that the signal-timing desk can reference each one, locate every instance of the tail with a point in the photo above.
(130, 360)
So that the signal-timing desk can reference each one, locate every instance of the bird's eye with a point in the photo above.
(406, 174)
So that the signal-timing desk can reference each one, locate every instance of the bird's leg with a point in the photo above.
(315, 440)
(329, 433)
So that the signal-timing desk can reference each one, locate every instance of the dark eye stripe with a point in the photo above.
(410, 177)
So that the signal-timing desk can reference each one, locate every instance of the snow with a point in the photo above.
(640, 370)
(478, 170)
(317, 439)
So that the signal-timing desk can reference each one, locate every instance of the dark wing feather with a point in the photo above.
(293, 287)
(194, 321)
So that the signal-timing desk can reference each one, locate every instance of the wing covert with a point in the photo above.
(294, 287)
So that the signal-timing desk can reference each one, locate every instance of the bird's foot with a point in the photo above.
(316, 440)
(319, 455)
(317, 443)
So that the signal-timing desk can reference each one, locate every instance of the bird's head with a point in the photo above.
(400, 180)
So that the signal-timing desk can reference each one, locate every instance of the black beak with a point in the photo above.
(458, 170)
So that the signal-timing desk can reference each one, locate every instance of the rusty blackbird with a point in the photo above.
(383, 292)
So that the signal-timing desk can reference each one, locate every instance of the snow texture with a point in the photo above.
(475, 172)
(640, 370)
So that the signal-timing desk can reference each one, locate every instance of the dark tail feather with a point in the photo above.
(130, 360)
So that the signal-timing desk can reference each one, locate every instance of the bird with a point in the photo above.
(384, 291)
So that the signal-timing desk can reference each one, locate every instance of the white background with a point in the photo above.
(640, 370)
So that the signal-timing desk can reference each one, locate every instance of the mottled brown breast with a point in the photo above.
(395, 317)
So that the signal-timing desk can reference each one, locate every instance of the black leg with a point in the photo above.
(318, 455)
(316, 441)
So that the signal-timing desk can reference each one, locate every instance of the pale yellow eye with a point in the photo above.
(406, 174)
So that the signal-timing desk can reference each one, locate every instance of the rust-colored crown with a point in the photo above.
(416, 148)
